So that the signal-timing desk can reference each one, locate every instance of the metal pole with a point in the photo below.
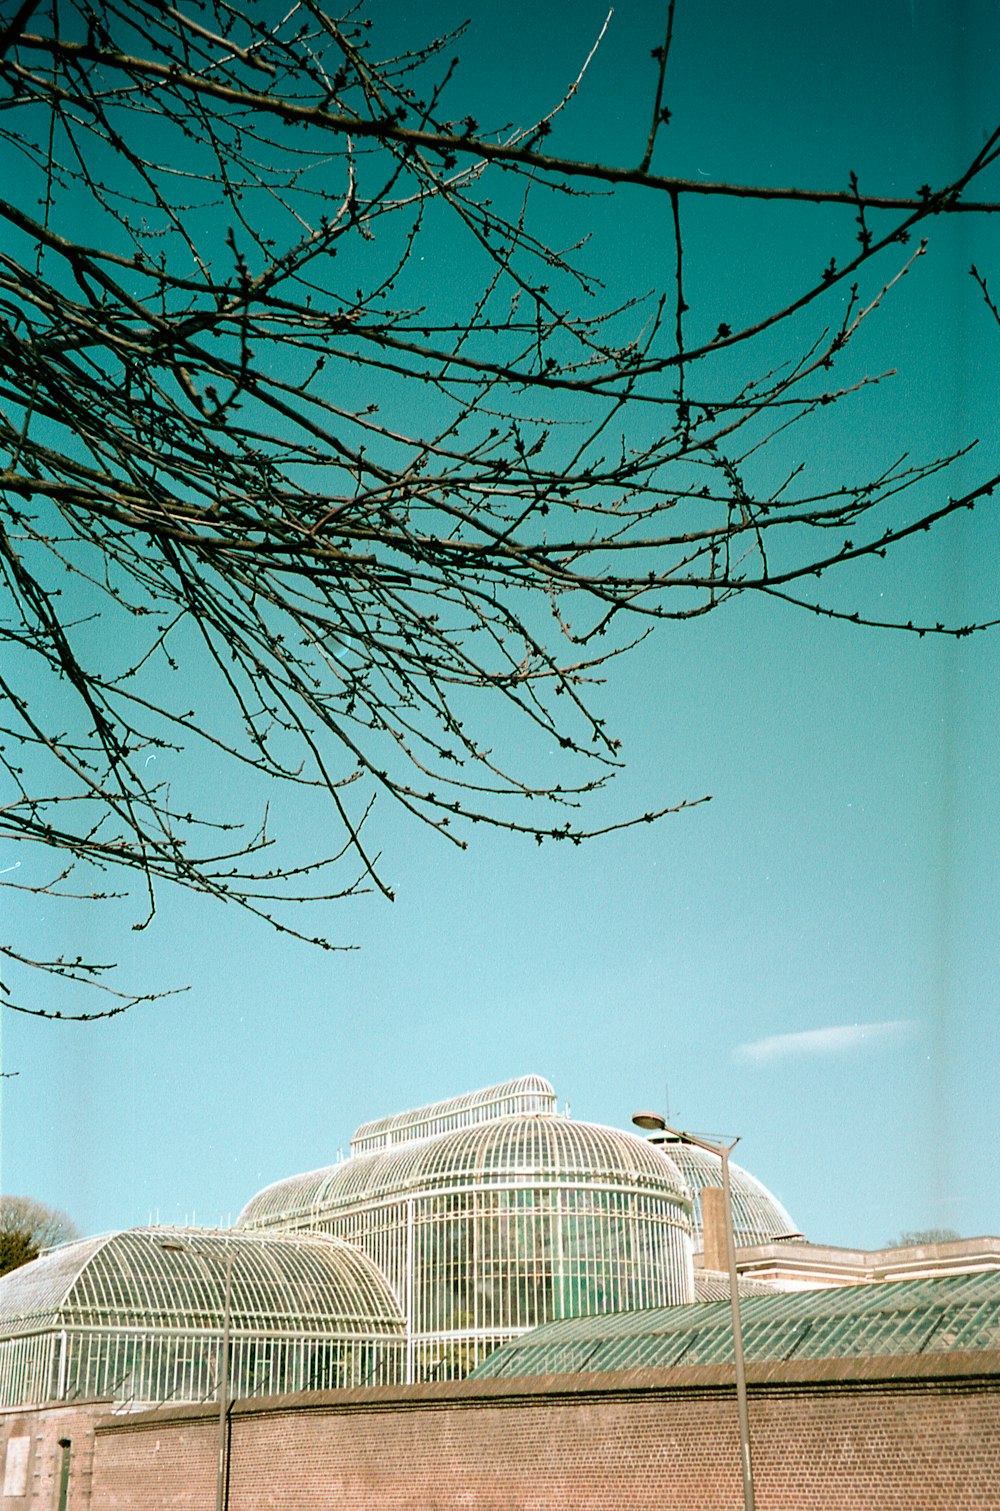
(223, 1465)
(181, 1245)
(746, 1463)
(410, 1293)
(722, 1151)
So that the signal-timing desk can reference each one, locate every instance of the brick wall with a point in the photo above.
(32, 1455)
(862, 1436)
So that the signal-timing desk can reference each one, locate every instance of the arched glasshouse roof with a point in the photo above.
(526, 1094)
(521, 1150)
(176, 1278)
(758, 1216)
(953, 1313)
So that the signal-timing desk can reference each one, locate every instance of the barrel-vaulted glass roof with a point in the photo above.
(176, 1278)
(536, 1149)
(758, 1216)
(944, 1315)
(526, 1094)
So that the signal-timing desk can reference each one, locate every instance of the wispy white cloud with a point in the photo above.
(840, 1038)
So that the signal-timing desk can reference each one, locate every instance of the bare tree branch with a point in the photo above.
(270, 492)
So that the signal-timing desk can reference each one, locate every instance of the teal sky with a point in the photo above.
(811, 959)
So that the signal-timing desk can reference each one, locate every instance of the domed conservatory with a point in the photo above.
(758, 1216)
(492, 1213)
(449, 1231)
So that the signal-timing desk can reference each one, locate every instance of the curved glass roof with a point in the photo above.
(522, 1150)
(526, 1094)
(176, 1278)
(758, 1216)
(39, 1288)
(952, 1313)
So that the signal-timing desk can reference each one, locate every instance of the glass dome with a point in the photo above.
(506, 1149)
(139, 1316)
(491, 1228)
(758, 1216)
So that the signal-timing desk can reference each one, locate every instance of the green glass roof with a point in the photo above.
(953, 1313)
(713, 1285)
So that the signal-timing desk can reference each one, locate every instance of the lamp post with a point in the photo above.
(222, 1466)
(654, 1122)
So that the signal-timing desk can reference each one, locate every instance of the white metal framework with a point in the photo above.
(450, 1230)
(487, 1222)
(758, 1216)
(139, 1317)
(526, 1094)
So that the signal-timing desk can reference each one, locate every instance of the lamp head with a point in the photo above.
(650, 1120)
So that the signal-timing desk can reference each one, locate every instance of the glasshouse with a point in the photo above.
(492, 1213)
(447, 1232)
(950, 1314)
(160, 1314)
(758, 1216)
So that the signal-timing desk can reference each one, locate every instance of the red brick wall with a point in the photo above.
(43, 1427)
(168, 1463)
(591, 1443)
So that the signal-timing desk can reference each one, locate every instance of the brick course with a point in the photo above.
(878, 1435)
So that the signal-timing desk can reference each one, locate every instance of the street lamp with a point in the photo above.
(654, 1122)
(178, 1245)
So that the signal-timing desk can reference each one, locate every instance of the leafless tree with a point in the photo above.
(268, 490)
(915, 1237)
(27, 1227)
